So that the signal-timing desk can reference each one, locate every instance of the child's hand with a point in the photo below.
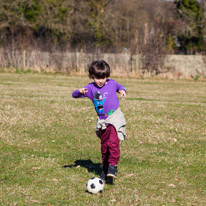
(83, 90)
(122, 93)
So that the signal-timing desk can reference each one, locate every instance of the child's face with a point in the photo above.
(100, 82)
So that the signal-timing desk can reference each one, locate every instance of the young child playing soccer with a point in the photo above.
(110, 120)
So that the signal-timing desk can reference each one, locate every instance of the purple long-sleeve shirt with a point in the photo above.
(104, 98)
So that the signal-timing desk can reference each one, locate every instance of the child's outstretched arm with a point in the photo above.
(121, 89)
(79, 93)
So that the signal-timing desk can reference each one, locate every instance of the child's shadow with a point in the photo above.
(88, 164)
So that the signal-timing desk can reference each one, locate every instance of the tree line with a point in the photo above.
(136, 26)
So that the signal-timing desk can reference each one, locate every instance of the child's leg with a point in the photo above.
(110, 152)
(105, 153)
(104, 147)
(113, 146)
(110, 146)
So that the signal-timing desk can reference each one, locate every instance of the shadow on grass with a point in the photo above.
(88, 164)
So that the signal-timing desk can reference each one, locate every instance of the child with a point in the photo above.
(110, 120)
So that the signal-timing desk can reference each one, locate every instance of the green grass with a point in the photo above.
(48, 148)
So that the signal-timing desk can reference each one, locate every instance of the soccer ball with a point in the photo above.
(95, 185)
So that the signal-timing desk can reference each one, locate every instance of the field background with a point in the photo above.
(48, 148)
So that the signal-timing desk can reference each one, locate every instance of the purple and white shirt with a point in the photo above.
(104, 98)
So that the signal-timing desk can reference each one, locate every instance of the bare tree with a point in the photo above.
(153, 44)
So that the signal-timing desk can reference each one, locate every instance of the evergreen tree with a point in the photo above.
(191, 14)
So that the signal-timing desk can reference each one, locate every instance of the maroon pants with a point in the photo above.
(109, 146)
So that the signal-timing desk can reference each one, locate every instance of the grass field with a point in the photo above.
(48, 148)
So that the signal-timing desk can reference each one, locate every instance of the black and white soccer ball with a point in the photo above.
(95, 185)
